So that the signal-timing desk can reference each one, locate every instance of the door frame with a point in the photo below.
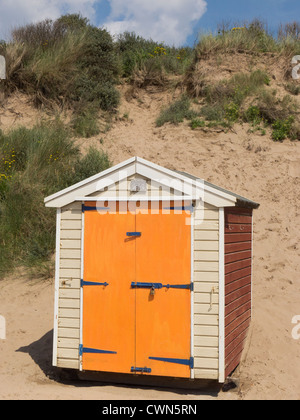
(136, 199)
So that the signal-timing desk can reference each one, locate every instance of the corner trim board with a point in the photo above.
(221, 295)
(81, 288)
(192, 290)
(56, 295)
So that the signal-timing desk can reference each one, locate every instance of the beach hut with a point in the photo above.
(153, 274)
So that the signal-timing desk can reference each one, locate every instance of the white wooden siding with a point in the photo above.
(122, 189)
(69, 287)
(206, 296)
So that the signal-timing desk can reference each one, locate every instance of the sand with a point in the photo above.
(246, 163)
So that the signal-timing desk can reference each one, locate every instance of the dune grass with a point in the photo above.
(66, 62)
(176, 112)
(35, 163)
(250, 37)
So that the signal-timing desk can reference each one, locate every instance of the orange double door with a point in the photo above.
(136, 299)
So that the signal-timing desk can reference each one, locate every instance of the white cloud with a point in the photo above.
(164, 21)
(19, 12)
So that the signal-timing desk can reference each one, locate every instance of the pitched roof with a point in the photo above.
(242, 201)
(211, 193)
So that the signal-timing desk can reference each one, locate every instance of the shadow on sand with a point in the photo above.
(41, 353)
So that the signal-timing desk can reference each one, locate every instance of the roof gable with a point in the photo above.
(178, 183)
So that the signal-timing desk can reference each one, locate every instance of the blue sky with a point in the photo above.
(273, 12)
(176, 22)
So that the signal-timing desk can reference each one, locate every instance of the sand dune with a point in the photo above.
(246, 163)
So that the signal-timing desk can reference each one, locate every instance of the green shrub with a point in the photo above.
(248, 84)
(89, 92)
(71, 23)
(98, 58)
(133, 51)
(213, 112)
(225, 98)
(85, 124)
(275, 112)
(88, 165)
(40, 34)
(108, 96)
(37, 162)
(231, 112)
(293, 88)
(252, 37)
(196, 123)
(273, 108)
(66, 62)
(252, 114)
(282, 129)
(176, 112)
(136, 53)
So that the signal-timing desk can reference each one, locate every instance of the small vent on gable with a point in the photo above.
(138, 185)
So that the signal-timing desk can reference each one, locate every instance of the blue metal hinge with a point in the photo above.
(160, 286)
(90, 283)
(89, 350)
(140, 369)
(187, 362)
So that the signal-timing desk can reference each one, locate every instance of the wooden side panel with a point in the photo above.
(238, 257)
(206, 292)
(69, 287)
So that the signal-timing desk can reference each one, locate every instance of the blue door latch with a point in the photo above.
(134, 234)
(160, 286)
(140, 370)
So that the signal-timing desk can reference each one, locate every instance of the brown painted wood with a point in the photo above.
(239, 337)
(238, 210)
(237, 303)
(234, 357)
(237, 327)
(237, 346)
(236, 275)
(237, 218)
(237, 256)
(237, 237)
(231, 287)
(237, 247)
(237, 228)
(229, 299)
(236, 313)
(238, 267)
(233, 364)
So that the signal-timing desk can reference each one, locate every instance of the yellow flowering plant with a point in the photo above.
(6, 164)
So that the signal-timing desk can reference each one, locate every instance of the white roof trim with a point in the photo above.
(136, 198)
(176, 175)
(183, 184)
(88, 180)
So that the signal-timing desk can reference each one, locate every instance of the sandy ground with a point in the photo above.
(246, 163)
(26, 354)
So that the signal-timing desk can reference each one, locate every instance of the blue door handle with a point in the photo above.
(135, 234)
